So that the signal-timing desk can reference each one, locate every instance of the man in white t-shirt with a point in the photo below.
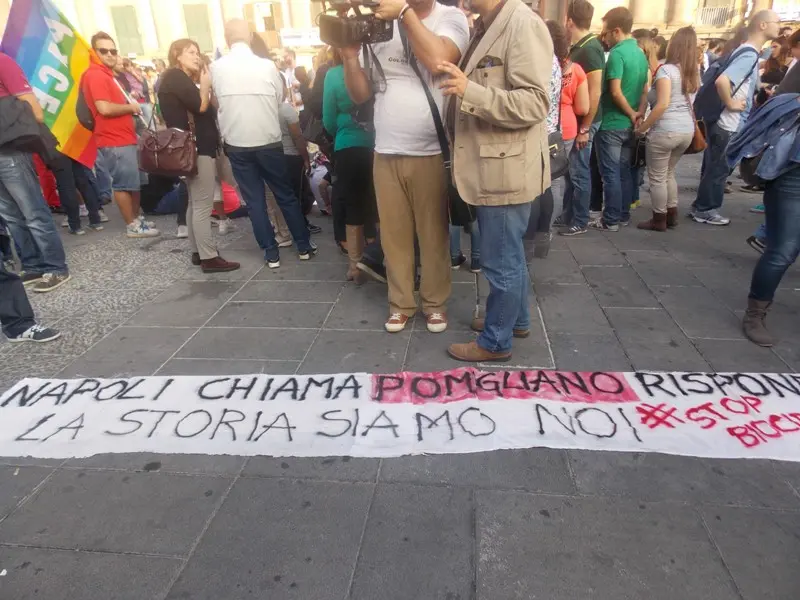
(410, 180)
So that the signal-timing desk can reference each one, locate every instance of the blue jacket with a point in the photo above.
(773, 129)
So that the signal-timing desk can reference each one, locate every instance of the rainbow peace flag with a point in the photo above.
(53, 56)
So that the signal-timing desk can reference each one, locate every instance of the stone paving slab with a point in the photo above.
(566, 548)
(535, 523)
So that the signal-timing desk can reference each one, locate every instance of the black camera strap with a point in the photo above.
(437, 117)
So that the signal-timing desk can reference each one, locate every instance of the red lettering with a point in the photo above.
(756, 425)
(774, 420)
(706, 422)
(752, 402)
(744, 435)
(726, 404)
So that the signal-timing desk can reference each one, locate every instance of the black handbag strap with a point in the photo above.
(437, 117)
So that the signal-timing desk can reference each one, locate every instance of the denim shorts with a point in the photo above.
(122, 164)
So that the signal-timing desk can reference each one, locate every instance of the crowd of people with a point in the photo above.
(454, 125)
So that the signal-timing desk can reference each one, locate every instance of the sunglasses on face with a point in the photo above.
(104, 51)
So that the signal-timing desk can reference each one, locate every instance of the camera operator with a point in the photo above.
(409, 171)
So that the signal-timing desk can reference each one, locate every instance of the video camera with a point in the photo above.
(342, 30)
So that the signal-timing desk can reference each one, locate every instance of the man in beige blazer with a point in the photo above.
(497, 101)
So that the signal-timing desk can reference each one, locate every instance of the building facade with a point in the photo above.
(145, 28)
(709, 17)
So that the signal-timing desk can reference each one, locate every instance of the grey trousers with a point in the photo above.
(201, 204)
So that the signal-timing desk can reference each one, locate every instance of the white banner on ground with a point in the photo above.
(721, 415)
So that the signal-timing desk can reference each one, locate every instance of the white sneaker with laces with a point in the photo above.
(103, 216)
(83, 211)
(139, 230)
(149, 224)
(183, 232)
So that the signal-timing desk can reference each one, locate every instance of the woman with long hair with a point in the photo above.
(574, 102)
(777, 64)
(185, 105)
(353, 156)
(670, 125)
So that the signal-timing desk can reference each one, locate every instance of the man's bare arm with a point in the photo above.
(355, 78)
(595, 81)
(430, 49)
(111, 110)
(615, 88)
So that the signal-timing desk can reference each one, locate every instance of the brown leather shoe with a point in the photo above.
(218, 265)
(196, 259)
(479, 323)
(657, 223)
(471, 352)
(672, 217)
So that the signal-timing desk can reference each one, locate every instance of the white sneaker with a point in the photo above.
(149, 224)
(103, 216)
(139, 230)
(183, 231)
(225, 226)
(65, 222)
(286, 244)
(83, 211)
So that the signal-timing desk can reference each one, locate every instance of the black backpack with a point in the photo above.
(707, 104)
(82, 110)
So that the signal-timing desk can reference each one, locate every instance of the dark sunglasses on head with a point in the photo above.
(104, 51)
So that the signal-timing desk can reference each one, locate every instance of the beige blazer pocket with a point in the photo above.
(502, 168)
(491, 76)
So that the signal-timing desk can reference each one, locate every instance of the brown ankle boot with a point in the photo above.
(754, 323)
(672, 217)
(355, 250)
(218, 265)
(657, 223)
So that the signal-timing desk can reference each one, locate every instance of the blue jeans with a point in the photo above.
(503, 264)
(103, 180)
(254, 168)
(578, 182)
(711, 191)
(614, 158)
(474, 242)
(782, 212)
(16, 314)
(28, 217)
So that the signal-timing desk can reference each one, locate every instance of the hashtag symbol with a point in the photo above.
(656, 416)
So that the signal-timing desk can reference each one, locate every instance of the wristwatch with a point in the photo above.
(584, 130)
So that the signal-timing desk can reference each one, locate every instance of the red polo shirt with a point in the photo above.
(99, 84)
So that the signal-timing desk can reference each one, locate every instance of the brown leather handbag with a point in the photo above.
(170, 152)
(698, 143)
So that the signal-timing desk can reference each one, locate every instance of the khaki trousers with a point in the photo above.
(201, 204)
(411, 193)
(663, 151)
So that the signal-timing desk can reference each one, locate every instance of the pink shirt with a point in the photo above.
(12, 80)
(569, 88)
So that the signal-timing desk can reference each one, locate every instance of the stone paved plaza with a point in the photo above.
(529, 524)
